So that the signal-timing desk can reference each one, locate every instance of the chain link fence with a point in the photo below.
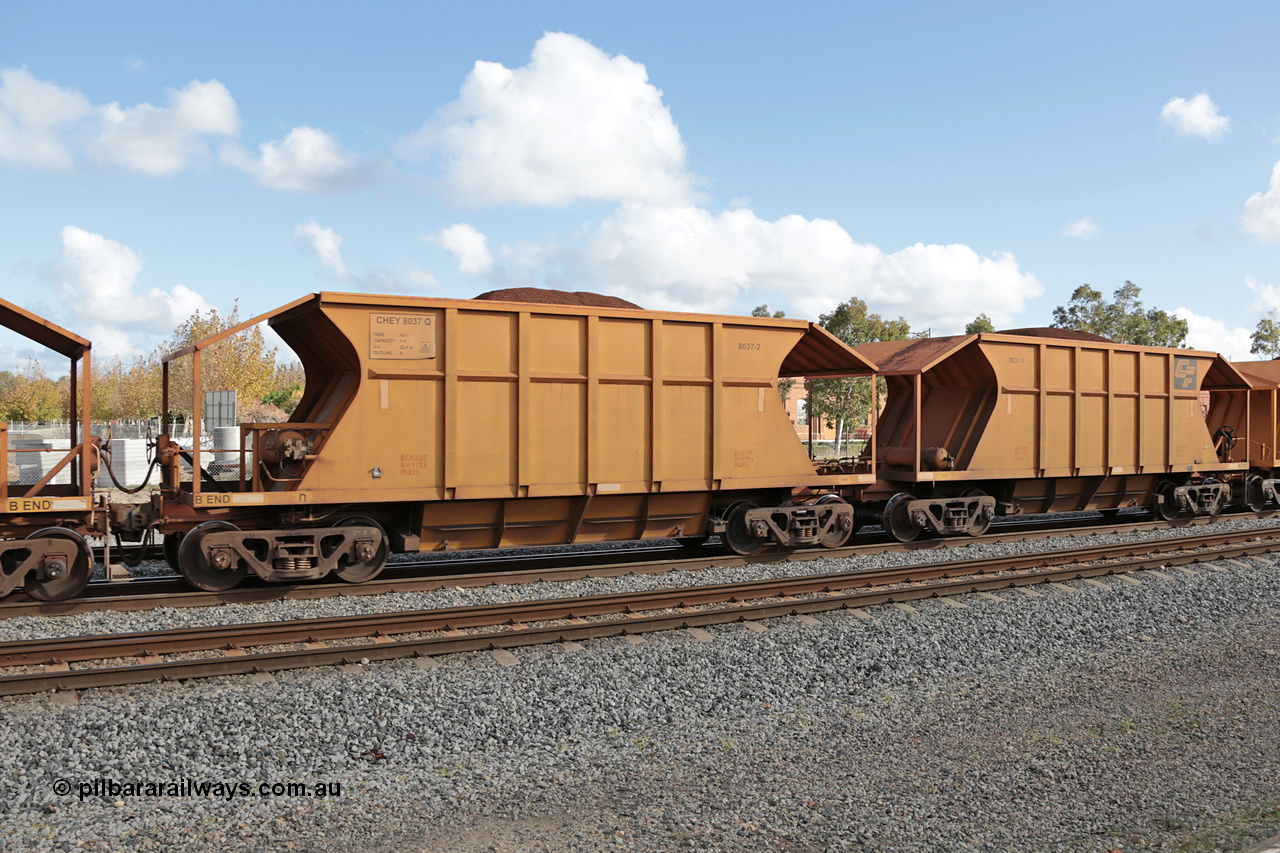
(36, 448)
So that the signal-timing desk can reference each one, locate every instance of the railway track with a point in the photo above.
(138, 658)
(432, 573)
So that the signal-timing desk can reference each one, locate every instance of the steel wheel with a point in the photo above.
(73, 577)
(737, 536)
(195, 566)
(1254, 497)
(897, 521)
(172, 542)
(835, 537)
(367, 569)
(1165, 504)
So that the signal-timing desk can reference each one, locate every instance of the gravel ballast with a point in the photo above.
(1117, 718)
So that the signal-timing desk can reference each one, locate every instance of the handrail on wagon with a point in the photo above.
(75, 348)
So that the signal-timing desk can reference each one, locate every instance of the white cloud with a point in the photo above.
(574, 123)
(160, 141)
(326, 245)
(308, 160)
(1195, 117)
(96, 278)
(466, 244)
(1084, 228)
(1266, 297)
(35, 116)
(687, 258)
(1261, 216)
(47, 126)
(1211, 334)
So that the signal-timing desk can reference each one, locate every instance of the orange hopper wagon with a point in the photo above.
(435, 424)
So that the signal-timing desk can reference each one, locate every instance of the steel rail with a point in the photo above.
(774, 597)
(173, 591)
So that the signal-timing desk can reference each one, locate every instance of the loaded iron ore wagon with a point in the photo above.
(440, 424)
(1041, 421)
(43, 520)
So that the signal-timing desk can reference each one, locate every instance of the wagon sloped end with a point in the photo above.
(1256, 425)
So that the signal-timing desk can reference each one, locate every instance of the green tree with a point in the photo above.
(1123, 320)
(31, 396)
(1266, 338)
(242, 362)
(784, 385)
(846, 403)
(981, 325)
(287, 386)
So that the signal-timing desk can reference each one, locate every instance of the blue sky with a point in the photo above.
(934, 159)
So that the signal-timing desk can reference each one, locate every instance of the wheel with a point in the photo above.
(197, 569)
(737, 536)
(1254, 497)
(370, 568)
(897, 521)
(172, 542)
(72, 579)
(1165, 504)
(836, 536)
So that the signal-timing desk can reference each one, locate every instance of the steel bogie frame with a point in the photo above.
(295, 483)
(42, 525)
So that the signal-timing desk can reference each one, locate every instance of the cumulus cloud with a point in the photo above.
(468, 245)
(1209, 333)
(47, 126)
(35, 118)
(1084, 228)
(160, 141)
(1196, 116)
(97, 280)
(307, 160)
(1266, 297)
(326, 245)
(687, 258)
(574, 123)
(1261, 216)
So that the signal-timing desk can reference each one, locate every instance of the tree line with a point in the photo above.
(844, 404)
(130, 390)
